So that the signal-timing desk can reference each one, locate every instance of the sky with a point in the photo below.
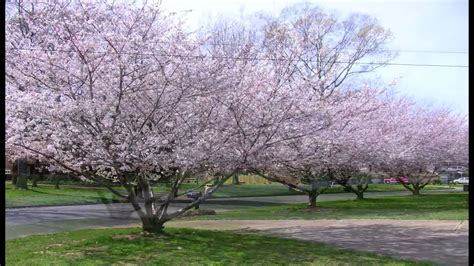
(425, 32)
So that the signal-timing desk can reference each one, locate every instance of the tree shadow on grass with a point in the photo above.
(186, 246)
(443, 246)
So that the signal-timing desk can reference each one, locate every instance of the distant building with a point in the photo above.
(450, 171)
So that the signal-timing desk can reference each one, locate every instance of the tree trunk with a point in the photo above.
(15, 172)
(416, 191)
(35, 181)
(56, 183)
(416, 188)
(312, 200)
(138, 191)
(22, 182)
(360, 195)
(152, 226)
(148, 196)
(359, 191)
(235, 179)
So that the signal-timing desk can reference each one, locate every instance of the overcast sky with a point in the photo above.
(417, 25)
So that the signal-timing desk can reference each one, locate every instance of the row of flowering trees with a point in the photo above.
(116, 92)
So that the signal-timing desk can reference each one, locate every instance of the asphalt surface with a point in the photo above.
(21, 222)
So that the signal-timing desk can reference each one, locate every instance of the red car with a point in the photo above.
(393, 180)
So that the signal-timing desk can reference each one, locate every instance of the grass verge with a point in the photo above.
(446, 206)
(227, 191)
(48, 195)
(180, 247)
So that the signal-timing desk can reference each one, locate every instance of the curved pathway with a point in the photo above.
(439, 241)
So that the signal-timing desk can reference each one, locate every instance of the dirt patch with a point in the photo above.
(141, 236)
(198, 212)
(95, 250)
(128, 237)
(73, 254)
(316, 209)
(50, 252)
(121, 226)
(54, 245)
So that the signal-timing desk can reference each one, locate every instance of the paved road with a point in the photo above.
(442, 242)
(22, 222)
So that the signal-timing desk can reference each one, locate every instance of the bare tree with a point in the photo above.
(321, 50)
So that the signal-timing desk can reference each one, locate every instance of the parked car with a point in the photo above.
(394, 180)
(462, 180)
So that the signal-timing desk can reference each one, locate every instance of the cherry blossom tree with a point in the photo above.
(119, 93)
(264, 111)
(323, 51)
(259, 111)
(308, 163)
(113, 93)
(415, 141)
(316, 51)
(352, 155)
(116, 93)
(309, 73)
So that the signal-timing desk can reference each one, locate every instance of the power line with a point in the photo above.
(383, 50)
(412, 64)
(245, 58)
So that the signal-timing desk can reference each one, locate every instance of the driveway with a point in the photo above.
(22, 222)
(442, 242)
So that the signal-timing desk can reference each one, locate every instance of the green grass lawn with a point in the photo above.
(180, 247)
(48, 195)
(68, 194)
(280, 190)
(447, 206)
(253, 190)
